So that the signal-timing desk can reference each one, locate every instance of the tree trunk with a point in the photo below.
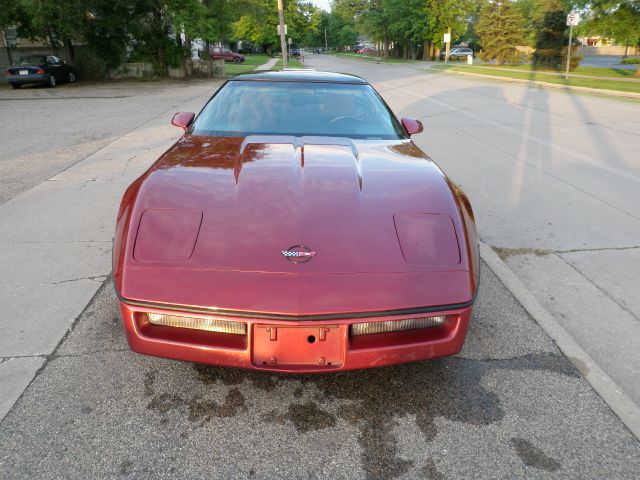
(188, 63)
(71, 50)
(385, 46)
(626, 51)
(425, 51)
(638, 71)
(53, 42)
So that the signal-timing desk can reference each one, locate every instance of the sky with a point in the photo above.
(322, 4)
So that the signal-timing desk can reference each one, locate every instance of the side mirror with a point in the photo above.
(183, 120)
(412, 126)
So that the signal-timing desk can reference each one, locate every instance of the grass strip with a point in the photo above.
(600, 84)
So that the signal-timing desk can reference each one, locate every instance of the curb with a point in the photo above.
(609, 391)
(600, 91)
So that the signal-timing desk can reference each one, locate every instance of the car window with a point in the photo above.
(226, 50)
(30, 60)
(216, 50)
(52, 60)
(243, 108)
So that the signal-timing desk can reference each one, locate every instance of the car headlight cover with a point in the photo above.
(397, 325)
(198, 323)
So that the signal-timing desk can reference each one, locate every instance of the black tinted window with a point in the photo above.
(297, 108)
(31, 60)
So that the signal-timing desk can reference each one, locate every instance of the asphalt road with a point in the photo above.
(509, 406)
(44, 130)
(605, 61)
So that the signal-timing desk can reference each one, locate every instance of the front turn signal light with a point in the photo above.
(198, 323)
(397, 325)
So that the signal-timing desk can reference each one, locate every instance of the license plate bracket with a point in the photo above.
(321, 346)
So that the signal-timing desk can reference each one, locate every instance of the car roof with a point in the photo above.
(302, 75)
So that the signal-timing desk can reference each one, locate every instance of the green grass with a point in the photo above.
(559, 80)
(372, 58)
(249, 65)
(630, 61)
(255, 60)
(593, 71)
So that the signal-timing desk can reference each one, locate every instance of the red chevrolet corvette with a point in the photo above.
(295, 227)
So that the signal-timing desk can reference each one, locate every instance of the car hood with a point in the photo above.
(236, 204)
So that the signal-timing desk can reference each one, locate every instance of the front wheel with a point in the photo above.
(15, 86)
(236, 60)
(72, 77)
(52, 81)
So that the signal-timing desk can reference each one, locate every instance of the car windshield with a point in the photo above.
(30, 60)
(244, 108)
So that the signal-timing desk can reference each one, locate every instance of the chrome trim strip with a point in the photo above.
(274, 316)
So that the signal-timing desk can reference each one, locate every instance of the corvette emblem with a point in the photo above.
(298, 254)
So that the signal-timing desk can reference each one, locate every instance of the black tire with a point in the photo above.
(52, 81)
(72, 77)
(237, 60)
(15, 86)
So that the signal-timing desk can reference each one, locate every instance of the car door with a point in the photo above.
(228, 55)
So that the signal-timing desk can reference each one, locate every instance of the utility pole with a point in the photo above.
(283, 42)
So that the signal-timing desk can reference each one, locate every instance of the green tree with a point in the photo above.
(551, 34)
(500, 28)
(448, 15)
(619, 20)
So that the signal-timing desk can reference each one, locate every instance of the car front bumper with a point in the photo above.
(27, 79)
(287, 346)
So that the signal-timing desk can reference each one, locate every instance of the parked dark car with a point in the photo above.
(40, 69)
(227, 55)
(296, 52)
(457, 53)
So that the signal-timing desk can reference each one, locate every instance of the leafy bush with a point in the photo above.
(630, 61)
(89, 65)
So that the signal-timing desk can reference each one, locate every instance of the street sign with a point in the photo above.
(290, 41)
(285, 29)
(447, 38)
(573, 19)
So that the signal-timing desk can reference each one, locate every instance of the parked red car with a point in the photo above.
(295, 227)
(227, 55)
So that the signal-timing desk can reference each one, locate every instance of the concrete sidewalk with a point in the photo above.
(267, 66)
(56, 247)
